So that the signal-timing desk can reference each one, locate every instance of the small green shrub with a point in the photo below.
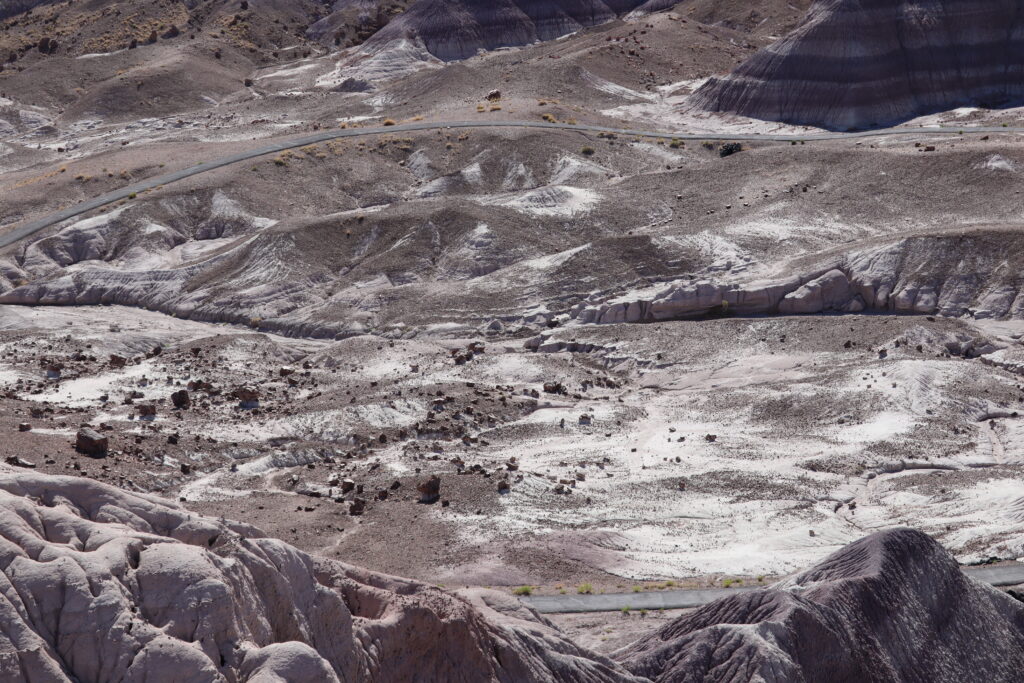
(729, 148)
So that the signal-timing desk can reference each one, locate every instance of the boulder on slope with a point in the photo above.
(893, 606)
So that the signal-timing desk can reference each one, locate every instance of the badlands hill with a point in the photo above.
(101, 585)
(457, 29)
(860, 64)
(186, 597)
(889, 607)
(302, 340)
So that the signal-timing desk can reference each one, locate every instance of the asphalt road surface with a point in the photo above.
(30, 228)
(1006, 575)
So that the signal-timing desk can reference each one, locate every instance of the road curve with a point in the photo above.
(30, 228)
(1003, 575)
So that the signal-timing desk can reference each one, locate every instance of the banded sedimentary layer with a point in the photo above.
(457, 29)
(858, 64)
(890, 607)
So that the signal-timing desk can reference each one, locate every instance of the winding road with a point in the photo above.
(1002, 575)
(24, 230)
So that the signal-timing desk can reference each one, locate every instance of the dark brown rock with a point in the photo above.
(181, 399)
(91, 442)
(430, 490)
(248, 396)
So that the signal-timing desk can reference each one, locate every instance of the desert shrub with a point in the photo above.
(587, 151)
(729, 148)
(523, 590)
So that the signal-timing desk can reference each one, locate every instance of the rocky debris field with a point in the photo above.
(430, 340)
(614, 454)
(185, 595)
(497, 360)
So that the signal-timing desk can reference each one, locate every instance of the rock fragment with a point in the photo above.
(181, 399)
(430, 490)
(91, 442)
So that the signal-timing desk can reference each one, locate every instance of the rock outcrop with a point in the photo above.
(866, 63)
(926, 274)
(457, 29)
(101, 585)
(891, 607)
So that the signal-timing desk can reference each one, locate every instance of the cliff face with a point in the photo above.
(457, 29)
(866, 63)
(891, 607)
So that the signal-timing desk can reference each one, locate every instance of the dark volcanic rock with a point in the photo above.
(865, 63)
(457, 29)
(891, 607)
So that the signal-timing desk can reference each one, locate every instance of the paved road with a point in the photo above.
(35, 226)
(1009, 575)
